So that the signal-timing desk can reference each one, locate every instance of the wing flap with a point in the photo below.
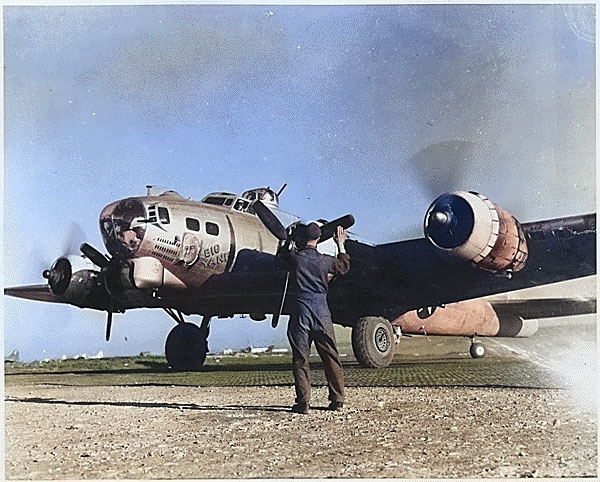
(546, 307)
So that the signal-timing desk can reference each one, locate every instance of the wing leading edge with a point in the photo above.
(415, 273)
(34, 292)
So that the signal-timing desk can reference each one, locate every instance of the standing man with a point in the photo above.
(310, 320)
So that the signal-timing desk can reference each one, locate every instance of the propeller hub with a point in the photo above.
(449, 221)
(59, 276)
(439, 217)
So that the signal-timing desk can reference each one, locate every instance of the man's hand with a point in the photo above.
(341, 236)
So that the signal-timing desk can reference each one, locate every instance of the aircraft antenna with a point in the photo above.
(282, 188)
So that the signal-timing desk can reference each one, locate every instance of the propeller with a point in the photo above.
(95, 256)
(57, 247)
(297, 234)
(106, 266)
(329, 229)
(444, 166)
(271, 222)
(277, 229)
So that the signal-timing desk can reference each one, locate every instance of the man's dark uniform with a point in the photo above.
(310, 320)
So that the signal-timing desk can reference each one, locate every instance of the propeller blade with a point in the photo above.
(277, 315)
(270, 220)
(444, 166)
(329, 229)
(95, 256)
(109, 322)
(73, 239)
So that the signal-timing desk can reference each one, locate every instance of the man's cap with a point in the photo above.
(313, 231)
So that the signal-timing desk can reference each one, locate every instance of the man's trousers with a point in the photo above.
(313, 324)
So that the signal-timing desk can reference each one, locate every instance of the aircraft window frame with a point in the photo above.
(192, 224)
(214, 200)
(241, 204)
(163, 215)
(152, 217)
(212, 228)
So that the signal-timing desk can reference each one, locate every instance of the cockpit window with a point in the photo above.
(228, 200)
(217, 201)
(163, 215)
(241, 205)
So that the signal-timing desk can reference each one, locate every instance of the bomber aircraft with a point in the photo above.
(218, 258)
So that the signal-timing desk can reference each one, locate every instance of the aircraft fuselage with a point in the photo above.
(173, 242)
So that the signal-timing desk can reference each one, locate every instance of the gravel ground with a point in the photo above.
(158, 432)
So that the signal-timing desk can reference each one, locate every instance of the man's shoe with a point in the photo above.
(336, 406)
(301, 407)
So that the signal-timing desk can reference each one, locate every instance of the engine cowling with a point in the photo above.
(87, 287)
(471, 227)
(74, 287)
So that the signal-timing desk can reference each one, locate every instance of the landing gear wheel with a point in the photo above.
(477, 350)
(373, 342)
(186, 347)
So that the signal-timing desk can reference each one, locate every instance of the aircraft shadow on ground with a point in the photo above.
(158, 367)
(157, 405)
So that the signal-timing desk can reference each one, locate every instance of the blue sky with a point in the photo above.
(372, 110)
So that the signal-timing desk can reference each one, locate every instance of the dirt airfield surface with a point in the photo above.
(156, 432)
(448, 416)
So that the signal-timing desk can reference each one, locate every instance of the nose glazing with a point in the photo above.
(123, 226)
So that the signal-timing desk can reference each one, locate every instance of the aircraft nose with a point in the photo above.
(123, 226)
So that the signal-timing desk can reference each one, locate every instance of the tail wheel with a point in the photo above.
(373, 342)
(186, 347)
(477, 350)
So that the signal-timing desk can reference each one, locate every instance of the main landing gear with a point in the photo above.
(187, 344)
(374, 341)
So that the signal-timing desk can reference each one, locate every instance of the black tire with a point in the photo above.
(186, 347)
(373, 342)
(477, 350)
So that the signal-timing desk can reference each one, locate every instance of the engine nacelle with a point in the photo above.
(87, 287)
(76, 288)
(469, 226)
(84, 285)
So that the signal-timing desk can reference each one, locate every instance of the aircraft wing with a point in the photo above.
(34, 292)
(416, 274)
